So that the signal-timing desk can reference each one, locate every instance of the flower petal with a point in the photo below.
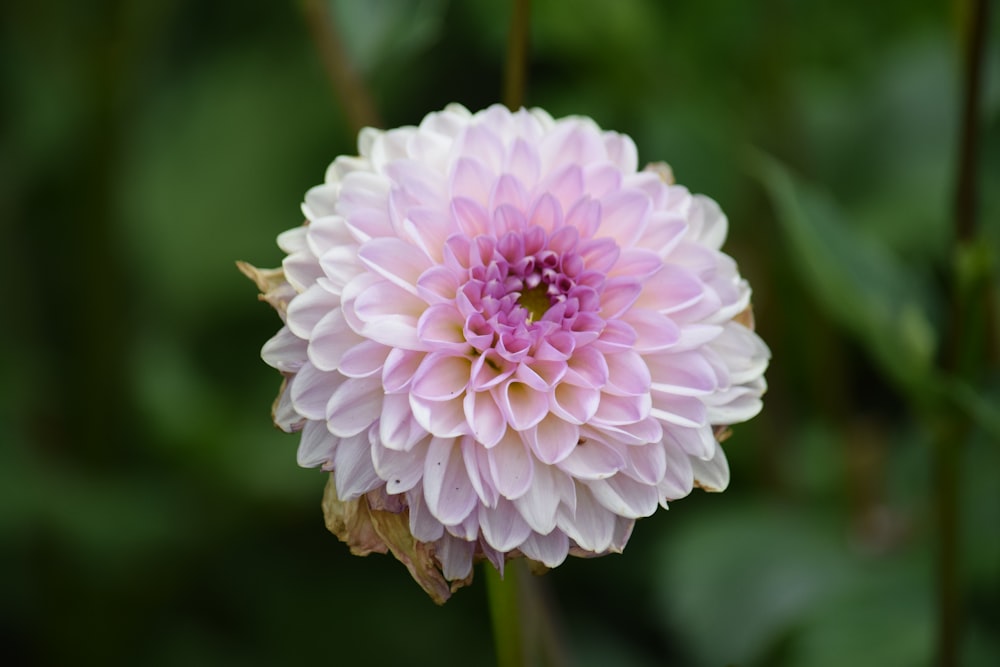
(447, 489)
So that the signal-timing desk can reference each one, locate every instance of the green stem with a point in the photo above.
(505, 610)
(517, 55)
(347, 83)
(963, 341)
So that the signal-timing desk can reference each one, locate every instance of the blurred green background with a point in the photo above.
(150, 514)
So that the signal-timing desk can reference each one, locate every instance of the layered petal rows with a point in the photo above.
(501, 333)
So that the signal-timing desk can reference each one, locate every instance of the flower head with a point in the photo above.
(503, 339)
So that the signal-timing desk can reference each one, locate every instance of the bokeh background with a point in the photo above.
(149, 512)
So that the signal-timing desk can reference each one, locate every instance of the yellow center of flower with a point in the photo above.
(536, 301)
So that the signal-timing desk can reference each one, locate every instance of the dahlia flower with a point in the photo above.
(503, 339)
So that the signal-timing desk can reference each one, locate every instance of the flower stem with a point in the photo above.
(515, 74)
(505, 610)
(963, 340)
(346, 81)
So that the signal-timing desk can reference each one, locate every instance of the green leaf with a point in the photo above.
(855, 279)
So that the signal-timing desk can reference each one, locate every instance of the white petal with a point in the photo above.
(455, 556)
(625, 496)
(502, 526)
(511, 466)
(353, 471)
(396, 260)
(312, 389)
(317, 446)
(550, 550)
(541, 501)
(447, 489)
(308, 308)
(284, 351)
(712, 475)
(354, 406)
(590, 526)
(423, 525)
(553, 439)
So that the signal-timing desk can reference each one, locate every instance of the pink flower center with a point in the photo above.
(528, 286)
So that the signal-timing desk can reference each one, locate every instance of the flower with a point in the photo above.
(503, 339)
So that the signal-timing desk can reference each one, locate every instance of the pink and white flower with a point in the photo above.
(504, 339)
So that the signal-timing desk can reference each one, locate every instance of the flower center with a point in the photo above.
(536, 301)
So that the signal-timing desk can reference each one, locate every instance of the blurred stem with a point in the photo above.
(515, 74)
(505, 610)
(953, 426)
(347, 82)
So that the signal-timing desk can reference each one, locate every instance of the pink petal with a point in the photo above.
(624, 214)
(565, 186)
(625, 496)
(548, 549)
(601, 179)
(540, 502)
(477, 466)
(399, 369)
(687, 411)
(522, 406)
(362, 202)
(472, 180)
(301, 270)
(587, 368)
(585, 217)
(618, 296)
(636, 263)
(364, 359)
(679, 478)
(593, 460)
(628, 374)
(441, 376)
(502, 526)
(618, 410)
(340, 265)
(599, 254)
(438, 283)
(698, 442)
(647, 463)
(285, 416)
(330, 339)
(443, 325)
(397, 428)
(671, 289)
(284, 351)
(712, 475)
(590, 526)
(455, 556)
(400, 470)
(395, 260)
(575, 404)
(353, 472)
(308, 308)
(428, 229)
(445, 419)
(471, 217)
(423, 525)
(317, 446)
(447, 489)
(354, 406)
(546, 213)
(553, 439)
(523, 162)
(682, 373)
(510, 466)
(485, 418)
(312, 389)
(654, 331)
(508, 190)
(621, 151)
